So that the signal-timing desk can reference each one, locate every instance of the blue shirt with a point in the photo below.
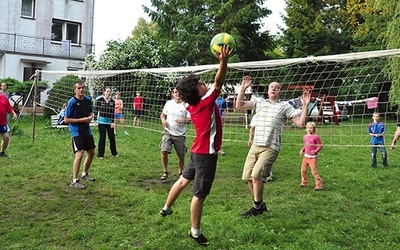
(78, 109)
(377, 128)
(222, 105)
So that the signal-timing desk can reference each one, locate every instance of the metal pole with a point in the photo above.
(36, 78)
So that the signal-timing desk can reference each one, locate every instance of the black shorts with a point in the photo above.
(201, 168)
(82, 143)
(138, 112)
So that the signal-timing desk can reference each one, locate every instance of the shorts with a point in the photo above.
(201, 168)
(178, 141)
(4, 129)
(118, 116)
(82, 143)
(259, 162)
(138, 112)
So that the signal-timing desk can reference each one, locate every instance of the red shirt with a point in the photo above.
(138, 102)
(5, 107)
(207, 124)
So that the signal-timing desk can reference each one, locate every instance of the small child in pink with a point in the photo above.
(312, 145)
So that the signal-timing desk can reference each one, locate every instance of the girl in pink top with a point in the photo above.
(312, 146)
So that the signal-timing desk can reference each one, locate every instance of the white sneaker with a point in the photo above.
(126, 132)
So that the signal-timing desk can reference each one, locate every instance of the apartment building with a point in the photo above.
(44, 34)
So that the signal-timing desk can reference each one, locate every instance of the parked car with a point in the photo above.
(327, 111)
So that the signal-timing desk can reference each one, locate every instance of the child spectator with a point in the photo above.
(377, 130)
(312, 146)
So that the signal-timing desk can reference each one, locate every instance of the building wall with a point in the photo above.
(26, 42)
(69, 10)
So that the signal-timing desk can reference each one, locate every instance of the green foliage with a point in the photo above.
(139, 53)
(358, 208)
(11, 82)
(188, 27)
(57, 94)
(316, 28)
(23, 89)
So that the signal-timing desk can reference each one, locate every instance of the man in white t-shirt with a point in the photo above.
(174, 118)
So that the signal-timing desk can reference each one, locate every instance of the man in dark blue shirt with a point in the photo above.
(78, 115)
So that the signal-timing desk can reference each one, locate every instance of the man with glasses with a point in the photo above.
(271, 116)
(174, 118)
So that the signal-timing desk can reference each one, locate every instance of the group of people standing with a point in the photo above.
(193, 102)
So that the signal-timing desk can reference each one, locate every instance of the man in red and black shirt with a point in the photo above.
(200, 102)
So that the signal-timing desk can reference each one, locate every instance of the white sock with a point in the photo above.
(83, 173)
(166, 208)
(75, 180)
(195, 232)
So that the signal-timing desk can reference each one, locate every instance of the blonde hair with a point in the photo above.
(311, 124)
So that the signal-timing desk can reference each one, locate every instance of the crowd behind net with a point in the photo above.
(346, 90)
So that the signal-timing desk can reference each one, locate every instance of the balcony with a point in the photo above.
(41, 46)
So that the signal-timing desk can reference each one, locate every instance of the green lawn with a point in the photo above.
(358, 209)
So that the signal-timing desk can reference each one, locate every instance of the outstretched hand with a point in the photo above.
(226, 52)
(306, 97)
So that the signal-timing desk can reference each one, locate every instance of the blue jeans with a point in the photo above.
(382, 149)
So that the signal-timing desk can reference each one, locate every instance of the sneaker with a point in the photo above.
(264, 207)
(100, 157)
(255, 211)
(126, 132)
(2, 154)
(77, 185)
(201, 239)
(221, 151)
(317, 189)
(87, 177)
(269, 178)
(164, 213)
(116, 156)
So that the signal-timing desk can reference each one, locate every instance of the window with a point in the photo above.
(28, 8)
(63, 30)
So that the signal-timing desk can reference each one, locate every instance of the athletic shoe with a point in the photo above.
(77, 185)
(201, 239)
(317, 189)
(100, 157)
(269, 178)
(2, 154)
(87, 177)
(126, 132)
(255, 211)
(164, 213)
(221, 151)
(116, 156)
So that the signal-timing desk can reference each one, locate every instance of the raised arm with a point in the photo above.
(395, 139)
(223, 65)
(240, 103)
(305, 100)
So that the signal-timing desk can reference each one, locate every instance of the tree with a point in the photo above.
(392, 38)
(22, 91)
(316, 28)
(187, 26)
(369, 24)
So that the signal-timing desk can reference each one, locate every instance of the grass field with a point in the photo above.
(359, 207)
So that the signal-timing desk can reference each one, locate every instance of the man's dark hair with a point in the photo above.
(187, 88)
